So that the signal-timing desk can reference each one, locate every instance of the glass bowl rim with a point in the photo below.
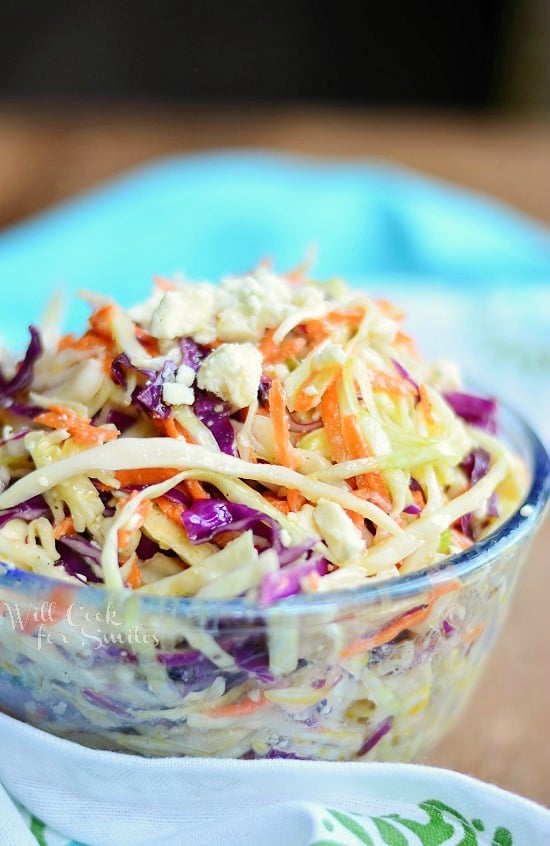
(521, 524)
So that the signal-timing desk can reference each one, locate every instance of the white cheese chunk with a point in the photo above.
(248, 305)
(342, 537)
(232, 372)
(189, 311)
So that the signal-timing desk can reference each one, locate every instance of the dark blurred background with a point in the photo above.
(458, 89)
(472, 54)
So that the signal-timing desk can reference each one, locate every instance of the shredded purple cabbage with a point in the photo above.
(150, 396)
(105, 703)
(22, 379)
(120, 367)
(282, 583)
(278, 753)
(413, 508)
(31, 509)
(492, 506)
(121, 419)
(77, 557)
(478, 411)
(192, 354)
(190, 669)
(251, 655)
(17, 436)
(214, 413)
(406, 375)
(475, 466)
(263, 389)
(179, 497)
(146, 548)
(377, 735)
(447, 627)
(147, 397)
(207, 518)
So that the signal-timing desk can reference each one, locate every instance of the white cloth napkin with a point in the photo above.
(57, 793)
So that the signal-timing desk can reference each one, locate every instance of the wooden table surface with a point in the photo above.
(47, 155)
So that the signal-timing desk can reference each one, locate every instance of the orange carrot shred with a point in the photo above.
(390, 384)
(426, 405)
(134, 579)
(281, 505)
(330, 415)
(472, 635)
(196, 490)
(164, 284)
(101, 321)
(138, 518)
(395, 627)
(295, 499)
(357, 520)
(66, 527)
(387, 633)
(171, 509)
(79, 428)
(144, 476)
(238, 709)
(279, 417)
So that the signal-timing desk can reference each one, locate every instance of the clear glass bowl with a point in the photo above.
(377, 673)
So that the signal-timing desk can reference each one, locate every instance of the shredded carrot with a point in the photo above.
(353, 316)
(51, 611)
(426, 405)
(312, 581)
(279, 417)
(275, 353)
(295, 499)
(59, 601)
(66, 342)
(173, 510)
(418, 498)
(79, 428)
(330, 415)
(472, 635)
(196, 490)
(173, 429)
(281, 505)
(390, 310)
(134, 579)
(357, 520)
(373, 486)
(238, 709)
(164, 284)
(405, 341)
(317, 331)
(393, 629)
(374, 489)
(387, 633)
(150, 343)
(138, 518)
(346, 442)
(144, 476)
(304, 401)
(444, 588)
(66, 527)
(101, 321)
(461, 539)
(390, 384)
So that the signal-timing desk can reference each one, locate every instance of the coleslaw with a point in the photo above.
(265, 438)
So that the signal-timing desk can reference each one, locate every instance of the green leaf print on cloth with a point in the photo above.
(436, 825)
